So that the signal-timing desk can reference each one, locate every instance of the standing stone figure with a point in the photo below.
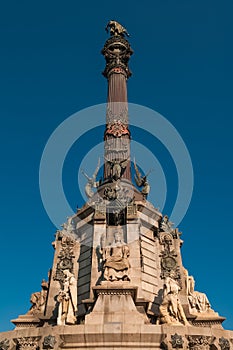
(116, 260)
(67, 299)
(171, 310)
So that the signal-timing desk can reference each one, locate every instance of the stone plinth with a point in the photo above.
(118, 336)
(115, 303)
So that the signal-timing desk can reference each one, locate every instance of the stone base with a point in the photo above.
(118, 336)
(115, 304)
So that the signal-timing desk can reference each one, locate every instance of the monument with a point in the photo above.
(117, 279)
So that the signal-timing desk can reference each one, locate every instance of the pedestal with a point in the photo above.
(115, 303)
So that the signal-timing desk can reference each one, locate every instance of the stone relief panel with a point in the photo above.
(117, 146)
(116, 128)
(65, 258)
(119, 193)
(169, 265)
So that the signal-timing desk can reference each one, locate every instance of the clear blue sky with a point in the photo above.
(51, 67)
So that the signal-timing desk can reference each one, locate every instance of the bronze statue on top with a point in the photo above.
(116, 28)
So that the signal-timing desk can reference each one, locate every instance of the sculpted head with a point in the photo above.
(117, 237)
(117, 170)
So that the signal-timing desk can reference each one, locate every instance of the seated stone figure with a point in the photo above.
(198, 301)
(116, 260)
(38, 300)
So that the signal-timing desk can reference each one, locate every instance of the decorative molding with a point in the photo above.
(117, 128)
(117, 52)
(65, 257)
(119, 194)
(118, 289)
(28, 321)
(177, 341)
(199, 342)
(4, 344)
(49, 342)
(27, 343)
(224, 343)
(110, 193)
(206, 323)
(117, 146)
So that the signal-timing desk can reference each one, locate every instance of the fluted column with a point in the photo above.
(117, 52)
